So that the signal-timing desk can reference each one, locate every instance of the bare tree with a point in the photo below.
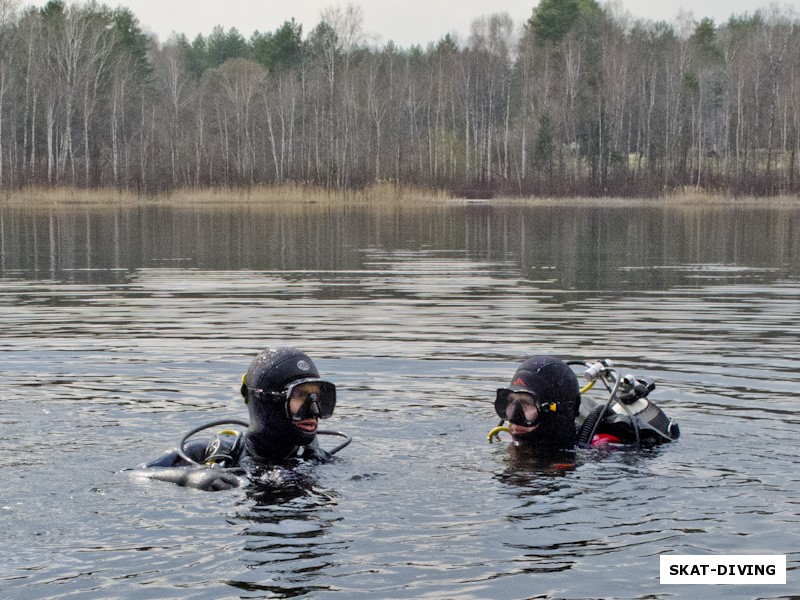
(98, 47)
(7, 17)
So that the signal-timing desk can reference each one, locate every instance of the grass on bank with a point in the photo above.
(383, 193)
(380, 194)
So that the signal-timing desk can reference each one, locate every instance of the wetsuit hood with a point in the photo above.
(271, 436)
(550, 380)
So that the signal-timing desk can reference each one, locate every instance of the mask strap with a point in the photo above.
(243, 389)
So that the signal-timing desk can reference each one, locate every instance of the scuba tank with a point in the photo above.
(628, 414)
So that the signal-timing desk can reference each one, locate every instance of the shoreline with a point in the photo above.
(382, 194)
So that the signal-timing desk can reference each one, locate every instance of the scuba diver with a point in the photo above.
(286, 398)
(544, 409)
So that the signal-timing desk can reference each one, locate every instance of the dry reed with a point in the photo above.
(382, 194)
(288, 194)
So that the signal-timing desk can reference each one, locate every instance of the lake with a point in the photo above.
(123, 328)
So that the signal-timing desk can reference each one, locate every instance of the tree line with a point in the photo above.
(580, 100)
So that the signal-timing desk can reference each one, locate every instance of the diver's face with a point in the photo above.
(298, 398)
(528, 407)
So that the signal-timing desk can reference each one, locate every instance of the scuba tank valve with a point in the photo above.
(598, 369)
(628, 411)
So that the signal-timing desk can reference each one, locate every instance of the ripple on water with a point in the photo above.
(104, 368)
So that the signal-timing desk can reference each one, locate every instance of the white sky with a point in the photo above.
(406, 22)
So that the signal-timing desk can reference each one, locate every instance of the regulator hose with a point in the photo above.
(347, 439)
(182, 442)
(611, 398)
(589, 425)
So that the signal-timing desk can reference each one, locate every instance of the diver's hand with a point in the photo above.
(201, 478)
(212, 480)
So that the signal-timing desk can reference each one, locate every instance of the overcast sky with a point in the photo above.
(406, 22)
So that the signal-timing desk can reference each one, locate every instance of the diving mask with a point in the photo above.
(521, 407)
(310, 398)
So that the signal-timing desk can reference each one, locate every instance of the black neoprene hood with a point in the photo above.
(271, 435)
(274, 368)
(548, 379)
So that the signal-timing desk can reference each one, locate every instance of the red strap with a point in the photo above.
(603, 439)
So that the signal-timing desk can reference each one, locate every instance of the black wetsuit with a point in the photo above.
(564, 419)
(201, 451)
(274, 437)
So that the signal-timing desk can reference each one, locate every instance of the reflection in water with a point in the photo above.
(526, 463)
(286, 521)
(579, 244)
(575, 521)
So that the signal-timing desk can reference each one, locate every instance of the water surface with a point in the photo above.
(120, 329)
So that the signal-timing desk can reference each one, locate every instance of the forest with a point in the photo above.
(581, 99)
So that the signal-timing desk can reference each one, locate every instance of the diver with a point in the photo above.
(286, 398)
(543, 407)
